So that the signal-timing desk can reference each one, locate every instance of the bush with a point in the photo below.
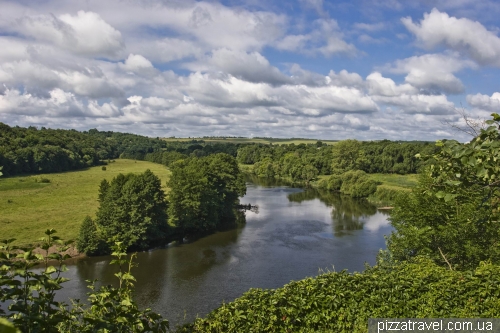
(363, 189)
(88, 241)
(334, 182)
(343, 302)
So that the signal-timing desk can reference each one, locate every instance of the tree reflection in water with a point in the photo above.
(347, 213)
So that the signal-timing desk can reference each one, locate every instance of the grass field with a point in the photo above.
(394, 181)
(390, 181)
(28, 207)
(252, 140)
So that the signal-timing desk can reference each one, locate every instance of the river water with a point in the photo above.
(294, 234)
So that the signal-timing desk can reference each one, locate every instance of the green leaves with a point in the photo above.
(203, 193)
(33, 307)
(343, 302)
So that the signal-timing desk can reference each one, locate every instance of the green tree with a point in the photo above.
(133, 210)
(204, 192)
(345, 156)
(89, 240)
(452, 216)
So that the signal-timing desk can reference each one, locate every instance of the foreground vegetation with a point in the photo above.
(343, 302)
(30, 206)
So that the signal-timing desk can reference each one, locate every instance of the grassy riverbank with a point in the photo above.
(31, 204)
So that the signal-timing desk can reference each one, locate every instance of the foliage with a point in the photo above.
(32, 151)
(343, 302)
(452, 216)
(89, 241)
(354, 182)
(31, 296)
(204, 192)
(346, 156)
(133, 210)
(113, 309)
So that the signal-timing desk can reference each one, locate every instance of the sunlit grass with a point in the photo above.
(395, 180)
(28, 207)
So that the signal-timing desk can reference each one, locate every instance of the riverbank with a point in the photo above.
(389, 185)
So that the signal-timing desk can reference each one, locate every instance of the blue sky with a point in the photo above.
(308, 68)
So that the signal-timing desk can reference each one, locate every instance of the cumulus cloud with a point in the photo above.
(325, 38)
(344, 78)
(167, 49)
(136, 63)
(405, 96)
(85, 33)
(59, 104)
(464, 35)
(433, 72)
(382, 86)
(252, 67)
(189, 68)
(485, 102)
(425, 104)
(297, 99)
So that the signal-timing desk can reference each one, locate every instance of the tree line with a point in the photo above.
(31, 150)
(42, 150)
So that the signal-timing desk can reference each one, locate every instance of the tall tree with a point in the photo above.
(203, 192)
(452, 216)
(133, 209)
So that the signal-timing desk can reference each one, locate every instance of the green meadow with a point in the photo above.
(387, 180)
(31, 204)
(395, 181)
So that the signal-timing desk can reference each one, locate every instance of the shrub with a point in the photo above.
(334, 182)
(88, 241)
(343, 302)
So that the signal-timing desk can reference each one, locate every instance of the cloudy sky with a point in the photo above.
(361, 69)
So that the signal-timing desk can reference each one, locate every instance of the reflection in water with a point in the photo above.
(348, 213)
(293, 236)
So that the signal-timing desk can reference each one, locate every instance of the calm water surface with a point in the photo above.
(294, 234)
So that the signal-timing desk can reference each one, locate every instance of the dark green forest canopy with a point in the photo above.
(31, 150)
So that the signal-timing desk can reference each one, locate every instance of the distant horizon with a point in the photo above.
(365, 70)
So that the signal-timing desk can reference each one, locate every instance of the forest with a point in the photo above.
(442, 259)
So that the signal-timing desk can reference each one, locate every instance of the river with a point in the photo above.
(294, 234)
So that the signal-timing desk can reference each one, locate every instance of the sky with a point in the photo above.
(359, 69)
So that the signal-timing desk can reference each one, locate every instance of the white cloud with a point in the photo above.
(325, 38)
(485, 102)
(85, 33)
(59, 104)
(406, 97)
(462, 35)
(433, 72)
(344, 78)
(167, 49)
(382, 86)
(426, 104)
(252, 67)
(371, 27)
(137, 64)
